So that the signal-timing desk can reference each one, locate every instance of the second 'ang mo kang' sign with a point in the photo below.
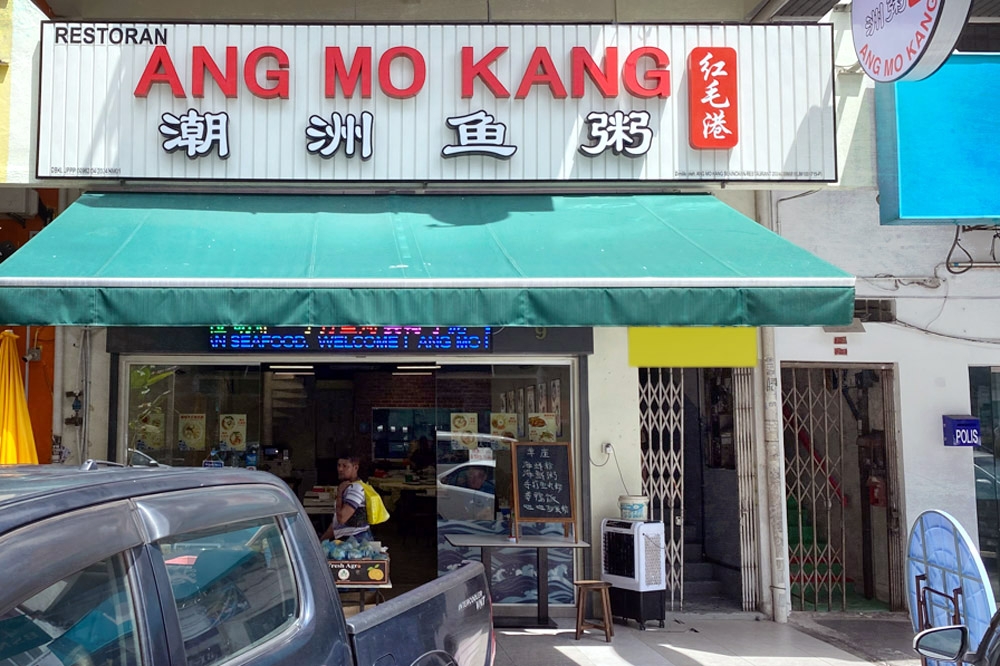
(427, 103)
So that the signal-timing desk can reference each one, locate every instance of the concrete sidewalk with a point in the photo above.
(694, 640)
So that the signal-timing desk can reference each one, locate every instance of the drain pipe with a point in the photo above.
(59, 451)
(774, 457)
(57, 397)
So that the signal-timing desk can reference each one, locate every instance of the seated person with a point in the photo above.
(351, 517)
(477, 479)
(421, 455)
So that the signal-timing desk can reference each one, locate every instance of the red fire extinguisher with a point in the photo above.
(876, 491)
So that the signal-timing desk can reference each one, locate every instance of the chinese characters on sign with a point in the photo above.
(542, 485)
(712, 92)
(326, 136)
(622, 132)
(478, 134)
(196, 133)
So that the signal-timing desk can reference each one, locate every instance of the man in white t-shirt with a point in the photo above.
(351, 518)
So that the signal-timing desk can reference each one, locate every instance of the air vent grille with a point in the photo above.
(875, 310)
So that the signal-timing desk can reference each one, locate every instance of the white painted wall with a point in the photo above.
(23, 71)
(947, 323)
(613, 390)
(855, 108)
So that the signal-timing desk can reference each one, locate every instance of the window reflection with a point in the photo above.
(86, 619)
(233, 588)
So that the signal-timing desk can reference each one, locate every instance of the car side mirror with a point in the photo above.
(942, 643)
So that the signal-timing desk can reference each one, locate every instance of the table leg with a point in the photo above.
(543, 586)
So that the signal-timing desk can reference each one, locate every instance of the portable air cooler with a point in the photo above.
(633, 554)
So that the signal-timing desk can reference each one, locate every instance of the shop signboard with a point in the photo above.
(906, 40)
(430, 103)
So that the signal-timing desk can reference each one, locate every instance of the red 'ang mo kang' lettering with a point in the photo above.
(645, 74)
(160, 69)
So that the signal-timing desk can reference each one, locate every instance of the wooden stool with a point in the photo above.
(583, 587)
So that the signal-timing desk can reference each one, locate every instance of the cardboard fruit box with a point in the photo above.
(360, 572)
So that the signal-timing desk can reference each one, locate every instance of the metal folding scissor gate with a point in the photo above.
(661, 412)
(746, 470)
(661, 406)
(814, 454)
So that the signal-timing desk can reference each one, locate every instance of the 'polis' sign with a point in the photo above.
(960, 430)
(423, 103)
(906, 39)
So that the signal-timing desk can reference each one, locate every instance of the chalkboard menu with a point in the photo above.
(543, 483)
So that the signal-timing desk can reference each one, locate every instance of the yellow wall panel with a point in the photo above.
(6, 41)
(692, 347)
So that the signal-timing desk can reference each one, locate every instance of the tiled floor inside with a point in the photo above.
(687, 640)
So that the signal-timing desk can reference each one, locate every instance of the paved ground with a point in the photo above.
(882, 638)
(710, 640)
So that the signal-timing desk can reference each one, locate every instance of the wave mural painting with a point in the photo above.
(514, 578)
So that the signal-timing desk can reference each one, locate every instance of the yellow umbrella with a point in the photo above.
(17, 442)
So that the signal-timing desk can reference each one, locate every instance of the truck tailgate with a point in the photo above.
(446, 621)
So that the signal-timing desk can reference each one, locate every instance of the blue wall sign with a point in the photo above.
(938, 141)
(961, 430)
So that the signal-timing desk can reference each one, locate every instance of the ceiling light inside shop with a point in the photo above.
(290, 367)
(411, 374)
(293, 374)
(418, 367)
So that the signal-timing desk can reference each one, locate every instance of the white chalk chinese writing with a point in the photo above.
(478, 134)
(540, 485)
(327, 136)
(622, 132)
(196, 133)
(714, 125)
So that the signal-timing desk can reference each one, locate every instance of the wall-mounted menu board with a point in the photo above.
(543, 483)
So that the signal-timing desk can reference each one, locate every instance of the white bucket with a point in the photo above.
(633, 507)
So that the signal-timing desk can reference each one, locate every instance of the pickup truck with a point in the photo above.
(156, 566)
(950, 645)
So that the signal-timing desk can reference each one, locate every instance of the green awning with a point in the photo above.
(136, 259)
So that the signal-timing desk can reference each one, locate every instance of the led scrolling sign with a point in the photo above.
(351, 339)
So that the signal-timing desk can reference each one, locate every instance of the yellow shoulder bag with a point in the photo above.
(377, 513)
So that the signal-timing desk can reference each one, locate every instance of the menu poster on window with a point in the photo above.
(192, 432)
(542, 427)
(465, 422)
(503, 424)
(481, 453)
(555, 404)
(503, 402)
(151, 429)
(233, 432)
(541, 401)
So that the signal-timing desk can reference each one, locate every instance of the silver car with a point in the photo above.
(467, 491)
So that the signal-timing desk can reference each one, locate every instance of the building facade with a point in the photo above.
(703, 421)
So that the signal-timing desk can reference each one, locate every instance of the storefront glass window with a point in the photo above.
(484, 411)
(985, 393)
(193, 415)
(434, 439)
